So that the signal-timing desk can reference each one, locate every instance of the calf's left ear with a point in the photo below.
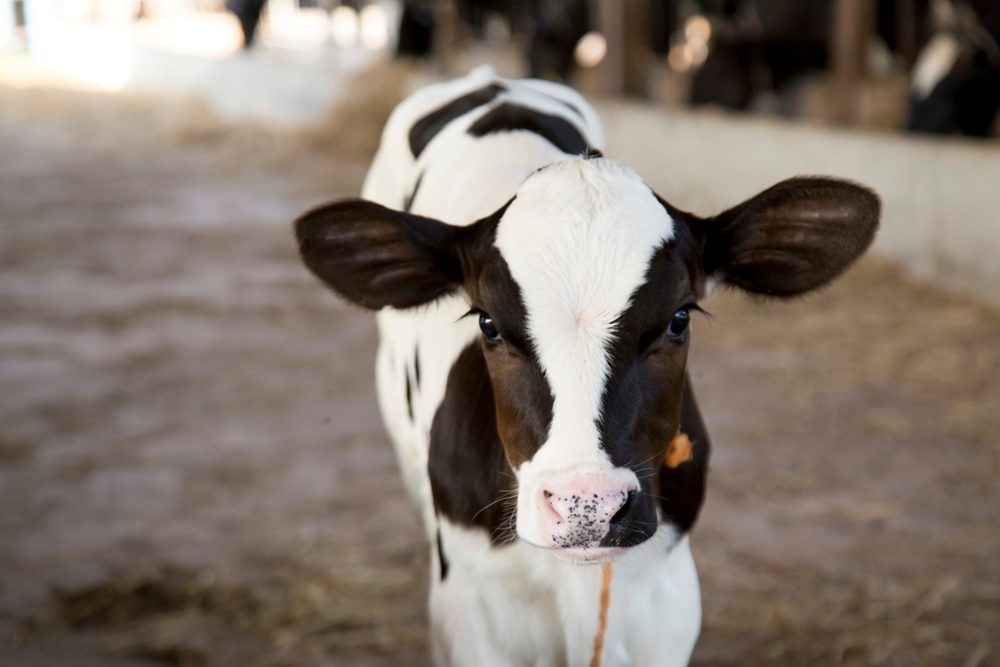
(794, 237)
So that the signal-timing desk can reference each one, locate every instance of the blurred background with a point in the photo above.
(192, 467)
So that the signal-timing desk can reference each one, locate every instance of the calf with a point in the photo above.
(534, 306)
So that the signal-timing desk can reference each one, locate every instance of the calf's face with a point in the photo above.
(584, 286)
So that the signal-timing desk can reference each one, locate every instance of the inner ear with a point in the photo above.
(375, 256)
(793, 237)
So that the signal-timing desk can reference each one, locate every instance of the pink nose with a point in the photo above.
(577, 508)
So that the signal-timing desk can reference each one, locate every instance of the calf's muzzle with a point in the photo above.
(579, 508)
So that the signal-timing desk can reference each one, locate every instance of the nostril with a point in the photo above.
(549, 505)
(547, 495)
(624, 509)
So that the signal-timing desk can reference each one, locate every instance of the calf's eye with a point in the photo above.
(488, 328)
(679, 325)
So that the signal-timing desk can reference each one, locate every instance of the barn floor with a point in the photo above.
(193, 472)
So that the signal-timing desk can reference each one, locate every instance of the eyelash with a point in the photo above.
(648, 339)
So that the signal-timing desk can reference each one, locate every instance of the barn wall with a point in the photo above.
(941, 197)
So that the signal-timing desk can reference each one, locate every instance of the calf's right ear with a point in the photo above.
(792, 238)
(374, 256)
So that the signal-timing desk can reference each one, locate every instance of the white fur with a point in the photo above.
(519, 605)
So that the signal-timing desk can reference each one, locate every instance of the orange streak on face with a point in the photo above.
(679, 451)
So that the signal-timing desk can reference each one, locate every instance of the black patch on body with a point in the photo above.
(416, 366)
(442, 559)
(569, 105)
(408, 201)
(409, 396)
(509, 117)
(425, 129)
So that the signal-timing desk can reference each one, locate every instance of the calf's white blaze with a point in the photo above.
(578, 240)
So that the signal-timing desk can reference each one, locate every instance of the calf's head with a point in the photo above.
(584, 285)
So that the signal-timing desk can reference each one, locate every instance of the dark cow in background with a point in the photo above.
(956, 79)
(248, 14)
(534, 308)
(761, 46)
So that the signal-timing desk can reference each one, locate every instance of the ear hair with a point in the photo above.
(375, 257)
(791, 238)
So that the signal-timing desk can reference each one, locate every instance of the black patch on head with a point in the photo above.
(425, 129)
(509, 117)
(442, 559)
(408, 201)
(468, 470)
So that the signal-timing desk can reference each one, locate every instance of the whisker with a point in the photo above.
(506, 529)
(643, 464)
(504, 496)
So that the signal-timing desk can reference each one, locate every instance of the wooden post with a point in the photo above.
(624, 24)
(611, 23)
(906, 31)
(853, 21)
(638, 54)
(445, 35)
